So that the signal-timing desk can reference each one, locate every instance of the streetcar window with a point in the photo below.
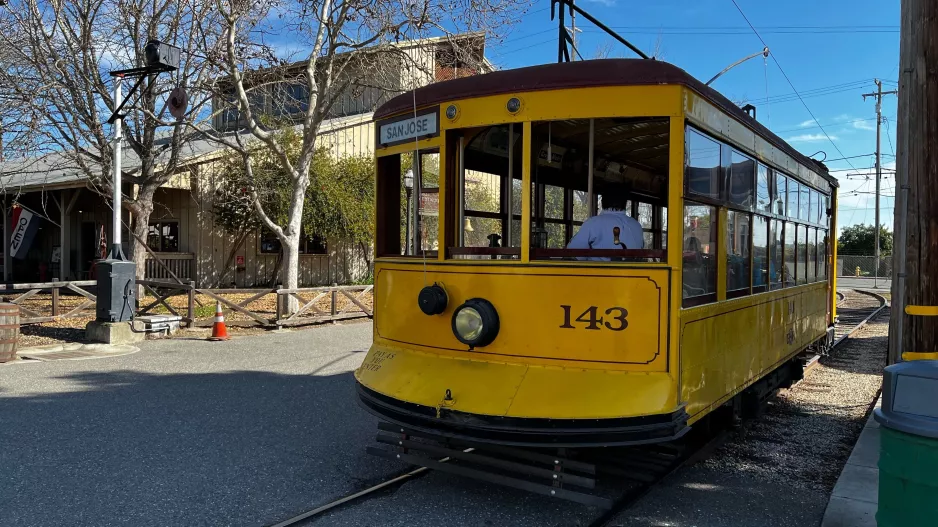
(804, 203)
(777, 241)
(629, 161)
(645, 218)
(486, 199)
(741, 175)
(703, 168)
(407, 208)
(802, 255)
(760, 253)
(781, 194)
(699, 280)
(763, 187)
(388, 214)
(794, 189)
(428, 225)
(816, 201)
(812, 254)
(737, 254)
(789, 252)
(822, 255)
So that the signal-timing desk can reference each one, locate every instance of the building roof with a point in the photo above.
(585, 74)
(58, 169)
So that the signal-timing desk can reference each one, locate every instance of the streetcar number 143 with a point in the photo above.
(615, 318)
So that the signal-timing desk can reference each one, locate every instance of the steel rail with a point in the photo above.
(351, 497)
(883, 304)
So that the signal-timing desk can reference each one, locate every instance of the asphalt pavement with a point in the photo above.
(849, 282)
(246, 432)
(187, 432)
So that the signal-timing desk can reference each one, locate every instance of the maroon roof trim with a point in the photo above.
(585, 74)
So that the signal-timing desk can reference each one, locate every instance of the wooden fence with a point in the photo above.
(51, 301)
(311, 309)
(35, 309)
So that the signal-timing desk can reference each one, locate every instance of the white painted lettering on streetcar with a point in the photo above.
(408, 128)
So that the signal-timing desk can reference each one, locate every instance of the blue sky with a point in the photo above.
(830, 49)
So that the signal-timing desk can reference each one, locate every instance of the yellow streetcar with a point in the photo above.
(490, 328)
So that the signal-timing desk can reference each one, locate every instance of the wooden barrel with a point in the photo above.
(9, 331)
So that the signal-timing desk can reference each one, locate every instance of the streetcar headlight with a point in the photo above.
(475, 323)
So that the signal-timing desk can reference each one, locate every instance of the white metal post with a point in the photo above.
(116, 251)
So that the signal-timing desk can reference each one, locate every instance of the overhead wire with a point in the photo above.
(790, 83)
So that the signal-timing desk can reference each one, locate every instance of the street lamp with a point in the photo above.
(116, 276)
(409, 189)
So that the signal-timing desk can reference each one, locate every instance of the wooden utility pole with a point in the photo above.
(879, 169)
(915, 283)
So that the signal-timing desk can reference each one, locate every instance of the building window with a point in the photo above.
(760, 254)
(270, 244)
(742, 173)
(703, 165)
(700, 245)
(163, 236)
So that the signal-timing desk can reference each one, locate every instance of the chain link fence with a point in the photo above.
(863, 265)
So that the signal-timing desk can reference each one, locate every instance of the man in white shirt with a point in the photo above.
(612, 228)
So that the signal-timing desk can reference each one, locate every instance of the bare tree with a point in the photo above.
(57, 55)
(348, 48)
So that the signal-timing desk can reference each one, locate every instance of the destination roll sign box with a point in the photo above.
(407, 129)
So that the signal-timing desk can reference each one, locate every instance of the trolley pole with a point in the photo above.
(915, 284)
(879, 124)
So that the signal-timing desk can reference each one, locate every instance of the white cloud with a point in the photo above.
(863, 125)
(810, 138)
(607, 3)
(810, 123)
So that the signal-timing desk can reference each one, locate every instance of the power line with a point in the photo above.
(742, 30)
(787, 79)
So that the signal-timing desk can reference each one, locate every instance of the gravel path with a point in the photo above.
(781, 468)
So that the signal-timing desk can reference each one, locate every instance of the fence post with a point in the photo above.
(190, 305)
(334, 312)
(55, 301)
(279, 305)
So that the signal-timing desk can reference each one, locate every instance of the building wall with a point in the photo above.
(212, 246)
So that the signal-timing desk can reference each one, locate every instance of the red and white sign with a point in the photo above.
(239, 260)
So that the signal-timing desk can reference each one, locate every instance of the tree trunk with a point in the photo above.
(917, 175)
(290, 270)
(142, 210)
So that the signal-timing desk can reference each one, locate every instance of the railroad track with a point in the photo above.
(640, 469)
(854, 311)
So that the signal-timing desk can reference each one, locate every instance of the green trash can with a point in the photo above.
(908, 458)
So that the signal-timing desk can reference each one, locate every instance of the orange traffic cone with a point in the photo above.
(219, 331)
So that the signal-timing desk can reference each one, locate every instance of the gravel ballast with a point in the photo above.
(780, 469)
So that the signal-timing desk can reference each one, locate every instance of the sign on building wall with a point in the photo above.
(24, 230)
(398, 130)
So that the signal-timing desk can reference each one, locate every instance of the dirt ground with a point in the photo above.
(72, 329)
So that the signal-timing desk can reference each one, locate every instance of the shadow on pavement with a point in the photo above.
(132, 448)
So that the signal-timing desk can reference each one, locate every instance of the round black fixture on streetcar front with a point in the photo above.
(475, 323)
(514, 105)
(432, 300)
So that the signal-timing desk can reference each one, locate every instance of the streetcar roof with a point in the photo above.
(585, 74)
